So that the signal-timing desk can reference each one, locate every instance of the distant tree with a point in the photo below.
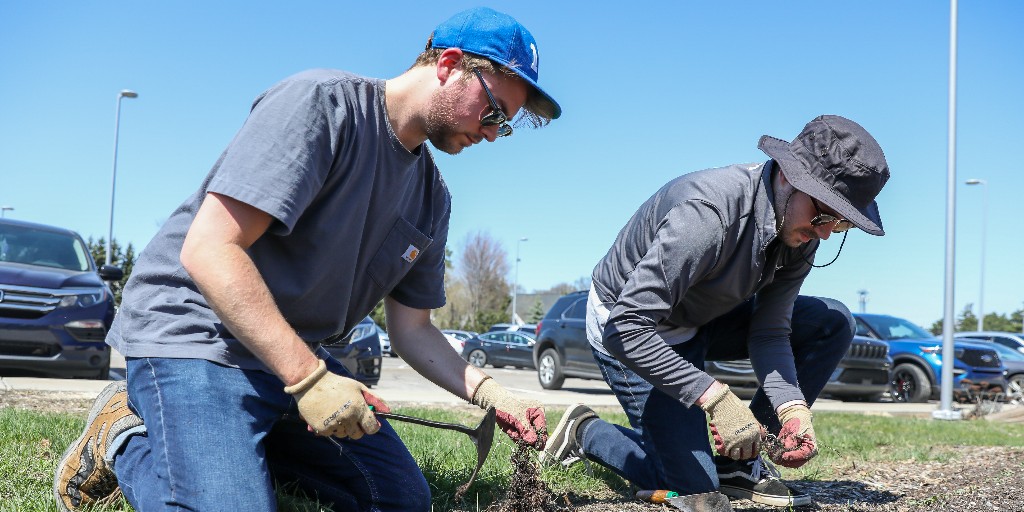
(378, 315)
(536, 313)
(482, 270)
(118, 257)
(967, 321)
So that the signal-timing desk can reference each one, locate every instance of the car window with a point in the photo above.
(862, 329)
(578, 310)
(519, 339)
(44, 248)
(1006, 342)
(496, 337)
(893, 328)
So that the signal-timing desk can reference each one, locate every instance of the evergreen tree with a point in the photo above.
(119, 258)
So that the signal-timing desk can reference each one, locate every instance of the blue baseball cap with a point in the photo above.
(498, 37)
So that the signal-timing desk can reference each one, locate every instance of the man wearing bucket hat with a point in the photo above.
(326, 201)
(710, 268)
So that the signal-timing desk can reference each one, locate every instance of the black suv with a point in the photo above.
(55, 307)
(562, 350)
(862, 374)
(359, 351)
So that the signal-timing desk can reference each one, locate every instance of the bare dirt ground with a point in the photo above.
(985, 479)
(978, 479)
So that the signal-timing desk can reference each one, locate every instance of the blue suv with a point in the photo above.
(917, 359)
(55, 307)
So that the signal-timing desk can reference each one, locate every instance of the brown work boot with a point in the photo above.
(83, 477)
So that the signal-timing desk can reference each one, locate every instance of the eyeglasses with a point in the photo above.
(496, 117)
(824, 218)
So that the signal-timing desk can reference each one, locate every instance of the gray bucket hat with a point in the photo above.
(837, 162)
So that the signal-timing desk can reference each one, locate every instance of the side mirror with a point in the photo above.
(111, 273)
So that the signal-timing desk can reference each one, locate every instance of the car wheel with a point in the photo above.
(477, 358)
(910, 384)
(1015, 388)
(549, 370)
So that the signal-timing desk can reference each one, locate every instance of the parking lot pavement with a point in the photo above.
(400, 384)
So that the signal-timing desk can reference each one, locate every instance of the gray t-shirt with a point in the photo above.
(356, 217)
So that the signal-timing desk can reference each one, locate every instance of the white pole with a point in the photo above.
(984, 228)
(515, 284)
(113, 175)
(946, 411)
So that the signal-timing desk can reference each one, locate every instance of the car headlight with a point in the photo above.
(360, 332)
(89, 298)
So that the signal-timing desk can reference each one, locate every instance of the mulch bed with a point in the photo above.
(978, 479)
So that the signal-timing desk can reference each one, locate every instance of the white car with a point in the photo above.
(456, 343)
(385, 343)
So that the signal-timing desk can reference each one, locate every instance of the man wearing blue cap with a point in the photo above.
(710, 268)
(326, 201)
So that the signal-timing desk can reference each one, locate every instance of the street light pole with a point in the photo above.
(984, 224)
(4, 209)
(125, 93)
(515, 284)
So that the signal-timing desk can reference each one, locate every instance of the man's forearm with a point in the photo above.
(228, 279)
(428, 352)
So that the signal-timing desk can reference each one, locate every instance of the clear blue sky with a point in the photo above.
(650, 90)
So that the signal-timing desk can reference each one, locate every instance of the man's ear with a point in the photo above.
(448, 63)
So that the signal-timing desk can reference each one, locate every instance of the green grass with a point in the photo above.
(31, 444)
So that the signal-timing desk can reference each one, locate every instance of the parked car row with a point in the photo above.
(56, 307)
(887, 355)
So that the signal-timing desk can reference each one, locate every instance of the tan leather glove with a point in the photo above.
(523, 420)
(737, 433)
(796, 443)
(333, 405)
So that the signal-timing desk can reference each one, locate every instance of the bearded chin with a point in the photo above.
(441, 139)
(440, 123)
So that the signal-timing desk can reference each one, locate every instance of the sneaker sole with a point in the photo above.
(563, 425)
(97, 407)
(764, 499)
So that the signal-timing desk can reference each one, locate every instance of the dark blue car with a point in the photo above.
(55, 307)
(500, 349)
(917, 359)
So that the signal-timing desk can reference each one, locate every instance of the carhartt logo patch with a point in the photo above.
(411, 254)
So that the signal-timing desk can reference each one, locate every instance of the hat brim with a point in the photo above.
(552, 105)
(867, 219)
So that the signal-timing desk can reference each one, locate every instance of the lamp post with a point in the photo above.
(125, 93)
(4, 209)
(981, 280)
(515, 284)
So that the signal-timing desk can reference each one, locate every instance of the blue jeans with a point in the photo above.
(667, 446)
(220, 438)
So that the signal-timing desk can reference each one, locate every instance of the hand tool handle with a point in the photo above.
(656, 496)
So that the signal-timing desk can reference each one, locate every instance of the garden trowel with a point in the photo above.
(482, 435)
(705, 502)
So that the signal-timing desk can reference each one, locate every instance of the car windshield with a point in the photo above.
(892, 328)
(21, 244)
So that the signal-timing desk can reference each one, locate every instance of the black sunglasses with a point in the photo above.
(496, 117)
(824, 218)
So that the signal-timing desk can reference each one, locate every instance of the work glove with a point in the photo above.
(522, 420)
(796, 443)
(737, 433)
(333, 405)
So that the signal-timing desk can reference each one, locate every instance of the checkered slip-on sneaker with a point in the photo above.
(83, 477)
(563, 443)
(757, 480)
